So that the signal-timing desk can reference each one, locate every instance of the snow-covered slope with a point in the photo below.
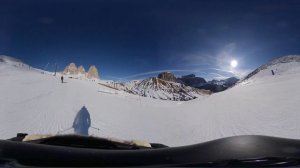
(12, 61)
(284, 65)
(165, 90)
(39, 103)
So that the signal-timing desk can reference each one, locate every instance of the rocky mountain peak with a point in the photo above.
(70, 69)
(81, 70)
(191, 80)
(167, 76)
(93, 72)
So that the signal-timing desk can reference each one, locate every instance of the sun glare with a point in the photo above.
(233, 63)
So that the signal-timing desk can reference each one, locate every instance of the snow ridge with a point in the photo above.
(274, 64)
(11, 60)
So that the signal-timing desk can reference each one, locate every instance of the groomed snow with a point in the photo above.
(32, 102)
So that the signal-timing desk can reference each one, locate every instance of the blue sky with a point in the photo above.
(131, 39)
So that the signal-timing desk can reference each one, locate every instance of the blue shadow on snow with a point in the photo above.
(82, 122)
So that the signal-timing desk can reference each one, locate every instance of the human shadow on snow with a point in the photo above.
(82, 122)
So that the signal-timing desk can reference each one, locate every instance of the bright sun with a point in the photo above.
(233, 63)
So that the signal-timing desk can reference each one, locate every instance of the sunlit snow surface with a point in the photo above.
(33, 102)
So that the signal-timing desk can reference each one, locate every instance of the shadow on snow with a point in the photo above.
(82, 122)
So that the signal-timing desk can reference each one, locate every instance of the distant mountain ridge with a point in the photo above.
(167, 87)
(158, 88)
(219, 85)
(213, 86)
(191, 80)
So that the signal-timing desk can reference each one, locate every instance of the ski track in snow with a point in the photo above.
(32, 102)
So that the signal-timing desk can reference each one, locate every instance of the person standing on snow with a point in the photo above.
(62, 79)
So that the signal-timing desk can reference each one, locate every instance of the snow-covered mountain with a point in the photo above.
(166, 90)
(284, 65)
(213, 85)
(12, 61)
(264, 104)
(227, 82)
(167, 76)
(219, 85)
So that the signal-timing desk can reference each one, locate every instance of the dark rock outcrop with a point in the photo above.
(167, 76)
(191, 80)
(213, 86)
(219, 85)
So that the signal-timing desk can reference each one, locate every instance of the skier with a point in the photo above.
(62, 79)
(272, 72)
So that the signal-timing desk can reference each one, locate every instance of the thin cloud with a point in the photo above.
(224, 57)
(205, 72)
(220, 63)
(198, 59)
(222, 70)
(155, 72)
(218, 76)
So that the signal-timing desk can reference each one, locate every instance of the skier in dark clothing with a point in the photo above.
(272, 72)
(62, 79)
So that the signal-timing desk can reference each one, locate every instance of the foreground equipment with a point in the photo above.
(74, 150)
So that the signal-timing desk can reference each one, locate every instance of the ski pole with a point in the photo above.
(95, 128)
(64, 130)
